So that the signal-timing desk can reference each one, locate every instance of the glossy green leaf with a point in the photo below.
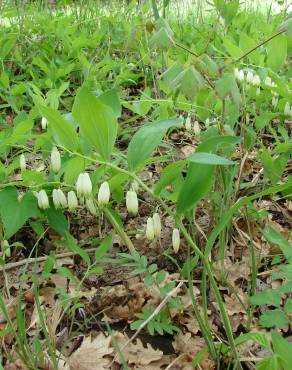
(200, 177)
(198, 183)
(209, 158)
(97, 121)
(15, 213)
(277, 52)
(169, 174)
(146, 139)
(111, 98)
(57, 220)
(283, 349)
(63, 132)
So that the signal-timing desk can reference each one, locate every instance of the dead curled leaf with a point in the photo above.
(136, 353)
(92, 354)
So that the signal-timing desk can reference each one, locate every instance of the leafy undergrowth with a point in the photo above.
(146, 184)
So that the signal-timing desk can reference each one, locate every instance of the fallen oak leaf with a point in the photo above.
(91, 354)
(135, 353)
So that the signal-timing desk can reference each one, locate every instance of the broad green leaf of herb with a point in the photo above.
(63, 132)
(146, 139)
(15, 213)
(200, 177)
(209, 158)
(97, 122)
(277, 52)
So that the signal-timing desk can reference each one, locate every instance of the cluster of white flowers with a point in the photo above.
(153, 227)
(239, 74)
(195, 126)
(250, 77)
(153, 231)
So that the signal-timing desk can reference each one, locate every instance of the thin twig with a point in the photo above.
(253, 49)
(12, 265)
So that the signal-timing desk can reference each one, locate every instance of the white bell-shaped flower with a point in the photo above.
(22, 162)
(256, 80)
(287, 109)
(55, 160)
(104, 194)
(132, 202)
(84, 185)
(44, 123)
(91, 206)
(157, 225)
(72, 200)
(59, 199)
(268, 81)
(175, 240)
(275, 101)
(188, 123)
(196, 128)
(43, 200)
(249, 77)
(241, 75)
(150, 229)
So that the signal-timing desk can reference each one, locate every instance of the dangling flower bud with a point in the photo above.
(256, 80)
(258, 91)
(72, 200)
(132, 202)
(43, 200)
(150, 229)
(196, 128)
(55, 160)
(188, 123)
(207, 122)
(275, 101)
(268, 81)
(287, 109)
(44, 123)
(59, 199)
(5, 248)
(241, 75)
(91, 206)
(249, 77)
(175, 240)
(157, 225)
(62, 199)
(103, 194)
(22, 162)
(84, 185)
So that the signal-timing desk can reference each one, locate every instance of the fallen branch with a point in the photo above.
(12, 265)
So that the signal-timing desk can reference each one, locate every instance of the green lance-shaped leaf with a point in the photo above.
(97, 121)
(63, 132)
(201, 171)
(14, 213)
(146, 139)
